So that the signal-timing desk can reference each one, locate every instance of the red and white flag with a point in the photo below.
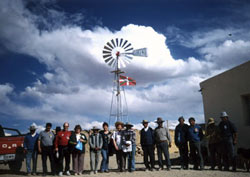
(124, 81)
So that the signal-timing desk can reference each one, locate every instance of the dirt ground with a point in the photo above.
(175, 172)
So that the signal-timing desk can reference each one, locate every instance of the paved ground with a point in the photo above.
(175, 172)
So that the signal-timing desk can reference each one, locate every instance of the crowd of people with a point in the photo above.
(64, 144)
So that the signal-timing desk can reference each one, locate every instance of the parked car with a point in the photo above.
(11, 148)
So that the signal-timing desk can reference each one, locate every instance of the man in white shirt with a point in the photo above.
(120, 155)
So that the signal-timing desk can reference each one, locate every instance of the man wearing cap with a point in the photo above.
(195, 136)
(163, 142)
(30, 149)
(117, 141)
(214, 143)
(61, 146)
(147, 143)
(45, 146)
(181, 139)
(95, 144)
(228, 134)
(128, 141)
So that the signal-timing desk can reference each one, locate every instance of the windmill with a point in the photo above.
(117, 53)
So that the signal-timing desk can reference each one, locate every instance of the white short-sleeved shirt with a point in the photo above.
(117, 136)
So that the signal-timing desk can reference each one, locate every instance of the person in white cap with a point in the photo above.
(214, 143)
(31, 150)
(229, 140)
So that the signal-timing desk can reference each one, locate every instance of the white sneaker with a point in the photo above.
(60, 173)
(96, 172)
(68, 173)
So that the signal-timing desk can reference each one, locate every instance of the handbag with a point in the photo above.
(79, 145)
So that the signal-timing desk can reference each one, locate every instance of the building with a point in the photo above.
(230, 92)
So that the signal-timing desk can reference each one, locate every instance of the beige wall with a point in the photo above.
(225, 92)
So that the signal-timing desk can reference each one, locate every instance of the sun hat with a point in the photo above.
(95, 128)
(223, 114)
(210, 121)
(128, 124)
(144, 122)
(159, 120)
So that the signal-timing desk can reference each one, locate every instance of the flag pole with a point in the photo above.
(118, 88)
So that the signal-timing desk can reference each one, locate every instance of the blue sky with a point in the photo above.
(51, 66)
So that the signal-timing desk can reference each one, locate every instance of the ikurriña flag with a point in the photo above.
(125, 81)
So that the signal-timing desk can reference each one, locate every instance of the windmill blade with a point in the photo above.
(113, 42)
(108, 59)
(126, 60)
(117, 41)
(140, 52)
(111, 62)
(124, 43)
(120, 42)
(114, 63)
(127, 46)
(106, 52)
(129, 49)
(105, 47)
(122, 63)
(106, 56)
(129, 57)
(110, 45)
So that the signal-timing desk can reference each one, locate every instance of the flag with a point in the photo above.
(124, 81)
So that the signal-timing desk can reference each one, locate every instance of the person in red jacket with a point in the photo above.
(61, 146)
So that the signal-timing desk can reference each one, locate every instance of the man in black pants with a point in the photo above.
(181, 139)
(229, 140)
(62, 147)
(45, 146)
(147, 144)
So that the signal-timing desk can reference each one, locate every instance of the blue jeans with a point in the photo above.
(31, 155)
(133, 157)
(105, 160)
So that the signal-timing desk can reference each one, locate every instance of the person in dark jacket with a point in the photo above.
(229, 140)
(30, 149)
(128, 141)
(56, 153)
(78, 139)
(195, 136)
(214, 143)
(147, 143)
(106, 136)
(181, 141)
